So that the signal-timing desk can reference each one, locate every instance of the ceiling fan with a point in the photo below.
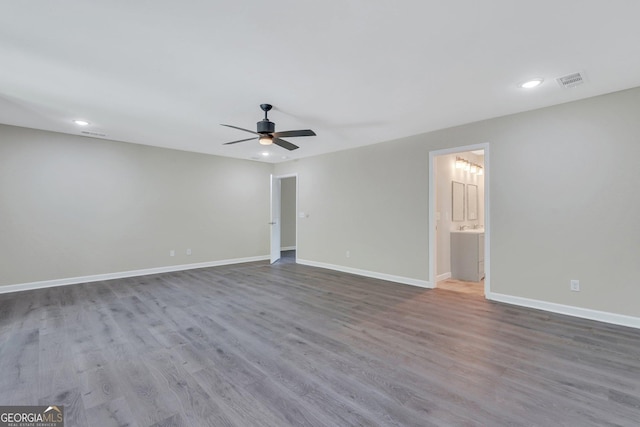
(267, 135)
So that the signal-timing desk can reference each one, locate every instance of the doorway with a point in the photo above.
(284, 195)
(459, 221)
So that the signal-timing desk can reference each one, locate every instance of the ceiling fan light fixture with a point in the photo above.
(266, 140)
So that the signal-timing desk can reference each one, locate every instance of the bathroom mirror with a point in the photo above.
(472, 202)
(457, 197)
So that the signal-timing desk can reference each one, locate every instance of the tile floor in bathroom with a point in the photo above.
(474, 288)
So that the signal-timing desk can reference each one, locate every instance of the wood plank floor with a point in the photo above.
(291, 345)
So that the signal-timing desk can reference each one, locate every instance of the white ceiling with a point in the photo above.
(358, 72)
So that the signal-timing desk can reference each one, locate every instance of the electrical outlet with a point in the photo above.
(189, 251)
(575, 285)
(172, 253)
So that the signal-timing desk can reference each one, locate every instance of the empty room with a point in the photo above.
(337, 213)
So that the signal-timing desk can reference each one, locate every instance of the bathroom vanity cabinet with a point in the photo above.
(467, 255)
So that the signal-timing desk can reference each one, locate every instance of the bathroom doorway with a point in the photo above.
(459, 219)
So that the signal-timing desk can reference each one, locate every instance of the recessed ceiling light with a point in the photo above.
(530, 84)
(81, 122)
(265, 154)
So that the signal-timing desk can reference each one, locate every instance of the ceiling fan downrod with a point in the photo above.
(266, 108)
(264, 125)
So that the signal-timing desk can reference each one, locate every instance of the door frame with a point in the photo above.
(487, 209)
(279, 178)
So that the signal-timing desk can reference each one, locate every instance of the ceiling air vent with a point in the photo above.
(86, 132)
(570, 80)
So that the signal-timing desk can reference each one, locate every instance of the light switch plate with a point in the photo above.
(575, 285)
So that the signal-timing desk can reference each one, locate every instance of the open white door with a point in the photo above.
(275, 218)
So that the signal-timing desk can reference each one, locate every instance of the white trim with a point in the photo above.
(367, 273)
(487, 218)
(585, 313)
(123, 274)
(275, 221)
(443, 276)
(432, 217)
(288, 248)
(487, 204)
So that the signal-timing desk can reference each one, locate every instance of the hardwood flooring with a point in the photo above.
(291, 345)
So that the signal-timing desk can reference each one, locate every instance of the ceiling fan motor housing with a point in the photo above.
(265, 126)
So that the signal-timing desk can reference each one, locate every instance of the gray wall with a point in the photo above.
(288, 212)
(371, 201)
(564, 186)
(72, 206)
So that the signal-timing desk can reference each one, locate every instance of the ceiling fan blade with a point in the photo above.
(292, 133)
(236, 127)
(240, 140)
(284, 144)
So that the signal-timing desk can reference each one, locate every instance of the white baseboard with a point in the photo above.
(601, 316)
(444, 276)
(120, 275)
(367, 273)
(288, 248)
